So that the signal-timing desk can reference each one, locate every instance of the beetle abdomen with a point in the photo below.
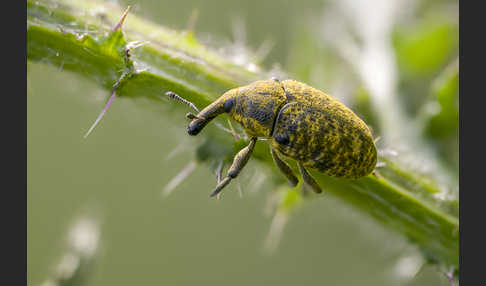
(323, 134)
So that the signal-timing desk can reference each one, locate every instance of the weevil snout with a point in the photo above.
(196, 126)
(223, 105)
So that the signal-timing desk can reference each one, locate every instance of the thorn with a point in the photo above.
(191, 23)
(108, 104)
(275, 233)
(271, 204)
(262, 51)
(219, 171)
(449, 274)
(450, 277)
(100, 116)
(120, 24)
(178, 149)
(135, 44)
(131, 46)
(257, 179)
(62, 65)
(380, 165)
(420, 269)
(220, 126)
(186, 171)
(238, 186)
(377, 139)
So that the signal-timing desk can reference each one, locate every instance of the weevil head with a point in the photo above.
(254, 106)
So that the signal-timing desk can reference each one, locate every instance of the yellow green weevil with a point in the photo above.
(301, 123)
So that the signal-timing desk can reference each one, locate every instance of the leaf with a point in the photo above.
(423, 48)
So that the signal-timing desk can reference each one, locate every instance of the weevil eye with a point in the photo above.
(282, 139)
(228, 105)
(195, 127)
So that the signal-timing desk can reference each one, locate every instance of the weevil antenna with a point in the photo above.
(174, 96)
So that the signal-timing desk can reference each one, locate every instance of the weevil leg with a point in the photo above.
(235, 135)
(284, 168)
(308, 179)
(239, 163)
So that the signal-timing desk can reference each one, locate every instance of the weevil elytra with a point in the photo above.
(301, 123)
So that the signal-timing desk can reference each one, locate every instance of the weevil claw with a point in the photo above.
(220, 186)
(192, 116)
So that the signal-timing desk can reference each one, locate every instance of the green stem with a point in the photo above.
(65, 35)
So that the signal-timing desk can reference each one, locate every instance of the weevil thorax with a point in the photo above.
(255, 106)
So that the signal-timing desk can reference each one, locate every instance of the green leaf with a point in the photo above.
(423, 48)
(443, 108)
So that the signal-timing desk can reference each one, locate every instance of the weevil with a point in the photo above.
(301, 123)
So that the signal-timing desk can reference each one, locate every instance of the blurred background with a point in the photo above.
(100, 198)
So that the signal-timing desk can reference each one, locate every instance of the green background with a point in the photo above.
(120, 170)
